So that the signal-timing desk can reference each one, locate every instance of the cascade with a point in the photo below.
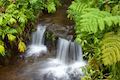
(37, 47)
(66, 66)
(68, 51)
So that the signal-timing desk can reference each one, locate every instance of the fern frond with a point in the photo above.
(110, 47)
(76, 8)
(116, 10)
(94, 20)
(89, 19)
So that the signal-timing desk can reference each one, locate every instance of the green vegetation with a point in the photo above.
(97, 24)
(110, 48)
(14, 17)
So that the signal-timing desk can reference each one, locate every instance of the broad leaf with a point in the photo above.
(2, 50)
(11, 37)
(21, 46)
(12, 31)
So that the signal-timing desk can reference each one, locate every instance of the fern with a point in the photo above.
(76, 8)
(94, 20)
(116, 10)
(115, 71)
(91, 24)
(89, 19)
(110, 49)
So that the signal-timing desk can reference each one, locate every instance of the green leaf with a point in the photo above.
(33, 1)
(110, 48)
(1, 20)
(22, 18)
(1, 3)
(12, 31)
(1, 43)
(2, 50)
(11, 8)
(21, 46)
(51, 7)
(11, 37)
(12, 20)
(3, 36)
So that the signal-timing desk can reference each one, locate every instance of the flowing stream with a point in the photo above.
(66, 66)
(37, 48)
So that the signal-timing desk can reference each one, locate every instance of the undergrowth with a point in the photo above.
(97, 25)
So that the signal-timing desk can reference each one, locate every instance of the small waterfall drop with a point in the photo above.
(68, 51)
(37, 47)
(66, 66)
(62, 49)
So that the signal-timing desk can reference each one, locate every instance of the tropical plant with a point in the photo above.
(51, 5)
(91, 20)
(16, 14)
(110, 48)
(115, 71)
(94, 21)
(21, 46)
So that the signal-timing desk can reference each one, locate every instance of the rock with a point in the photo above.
(59, 30)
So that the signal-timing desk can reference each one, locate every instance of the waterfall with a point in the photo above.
(66, 66)
(68, 52)
(76, 52)
(38, 36)
(62, 49)
(37, 47)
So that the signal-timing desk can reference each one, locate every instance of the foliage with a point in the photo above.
(76, 8)
(50, 36)
(21, 46)
(11, 37)
(94, 19)
(51, 5)
(2, 50)
(16, 14)
(110, 48)
(93, 70)
(116, 10)
(115, 71)
(91, 20)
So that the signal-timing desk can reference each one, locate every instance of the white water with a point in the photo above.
(69, 52)
(37, 48)
(66, 66)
